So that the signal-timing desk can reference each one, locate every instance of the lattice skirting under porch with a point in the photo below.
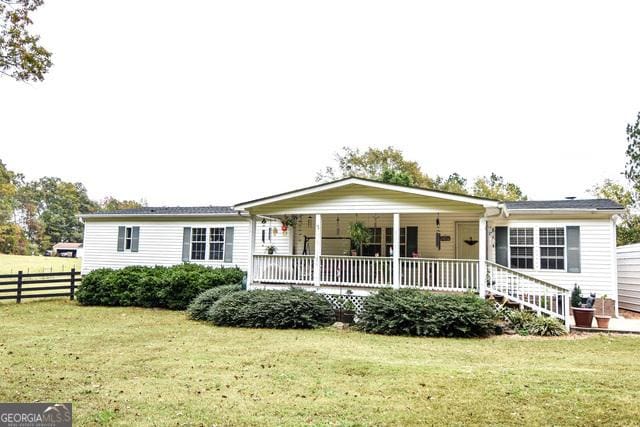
(337, 301)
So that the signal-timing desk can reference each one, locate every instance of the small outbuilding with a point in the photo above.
(68, 249)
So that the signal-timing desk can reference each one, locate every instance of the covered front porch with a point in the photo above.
(421, 250)
(419, 238)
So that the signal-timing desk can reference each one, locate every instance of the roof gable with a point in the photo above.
(380, 191)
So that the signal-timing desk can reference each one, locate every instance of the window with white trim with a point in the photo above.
(198, 243)
(521, 247)
(128, 238)
(552, 245)
(216, 243)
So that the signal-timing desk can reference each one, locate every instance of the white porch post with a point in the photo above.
(482, 257)
(317, 251)
(252, 249)
(396, 250)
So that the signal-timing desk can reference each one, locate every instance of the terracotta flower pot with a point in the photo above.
(583, 317)
(603, 321)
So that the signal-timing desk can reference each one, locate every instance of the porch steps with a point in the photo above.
(516, 289)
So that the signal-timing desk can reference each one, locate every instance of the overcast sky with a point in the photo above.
(218, 102)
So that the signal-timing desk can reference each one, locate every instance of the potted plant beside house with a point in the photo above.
(602, 319)
(360, 235)
(271, 249)
(582, 315)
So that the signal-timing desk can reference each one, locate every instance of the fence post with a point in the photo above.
(19, 289)
(73, 284)
(566, 303)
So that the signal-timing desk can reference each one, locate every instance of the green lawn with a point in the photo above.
(11, 264)
(129, 366)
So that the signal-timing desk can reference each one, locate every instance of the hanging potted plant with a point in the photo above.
(602, 319)
(582, 314)
(288, 221)
(360, 235)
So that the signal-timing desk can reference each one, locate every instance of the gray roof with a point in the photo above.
(171, 210)
(576, 204)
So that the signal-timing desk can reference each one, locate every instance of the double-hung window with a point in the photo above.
(521, 247)
(198, 243)
(216, 243)
(552, 244)
(128, 238)
(375, 243)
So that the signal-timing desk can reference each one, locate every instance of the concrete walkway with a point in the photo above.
(616, 325)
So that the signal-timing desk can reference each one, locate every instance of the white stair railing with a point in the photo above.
(528, 291)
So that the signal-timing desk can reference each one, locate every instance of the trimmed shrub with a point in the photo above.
(204, 301)
(290, 309)
(168, 287)
(418, 313)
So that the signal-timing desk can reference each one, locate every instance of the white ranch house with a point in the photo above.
(531, 252)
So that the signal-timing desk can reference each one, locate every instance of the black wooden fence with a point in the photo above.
(47, 285)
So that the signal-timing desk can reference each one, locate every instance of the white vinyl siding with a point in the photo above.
(161, 243)
(597, 241)
(628, 260)
(361, 199)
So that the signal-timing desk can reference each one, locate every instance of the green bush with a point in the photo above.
(418, 313)
(290, 309)
(528, 323)
(204, 301)
(546, 327)
(169, 287)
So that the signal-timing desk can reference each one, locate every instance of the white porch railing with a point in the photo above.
(287, 269)
(439, 274)
(528, 291)
(356, 271)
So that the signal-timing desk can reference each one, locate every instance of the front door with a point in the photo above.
(467, 240)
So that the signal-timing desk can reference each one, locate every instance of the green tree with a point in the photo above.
(8, 190)
(397, 177)
(21, 55)
(628, 228)
(60, 204)
(110, 203)
(632, 169)
(454, 183)
(372, 164)
(495, 187)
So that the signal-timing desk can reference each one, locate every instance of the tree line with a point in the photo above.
(36, 214)
(389, 165)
